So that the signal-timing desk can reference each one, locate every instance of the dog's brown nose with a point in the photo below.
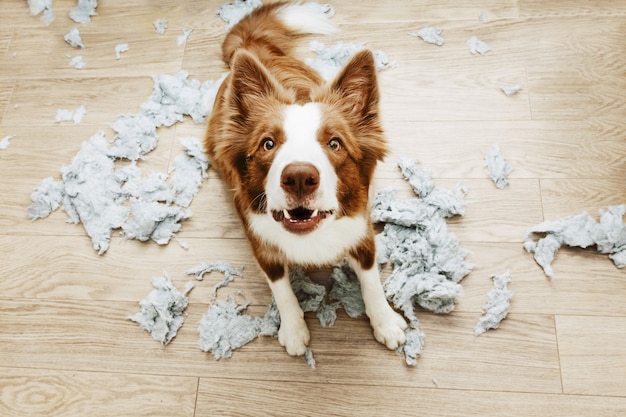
(300, 179)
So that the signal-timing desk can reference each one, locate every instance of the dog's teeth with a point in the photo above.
(315, 213)
(286, 213)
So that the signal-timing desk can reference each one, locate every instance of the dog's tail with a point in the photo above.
(271, 30)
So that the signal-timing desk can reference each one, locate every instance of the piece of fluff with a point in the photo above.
(427, 258)
(225, 327)
(414, 344)
(581, 230)
(39, 6)
(190, 170)
(73, 38)
(162, 311)
(77, 62)
(498, 304)
(84, 10)
(76, 115)
(119, 48)
(181, 40)
(160, 25)
(224, 267)
(511, 89)
(331, 59)
(498, 168)
(5, 142)
(233, 12)
(429, 34)
(153, 220)
(477, 46)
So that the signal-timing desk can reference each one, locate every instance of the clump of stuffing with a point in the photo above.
(76, 116)
(119, 48)
(429, 34)
(73, 38)
(233, 12)
(220, 266)
(498, 304)
(77, 62)
(330, 60)
(499, 169)
(511, 89)
(44, 7)
(477, 46)
(162, 311)
(84, 10)
(160, 25)
(5, 142)
(181, 40)
(581, 230)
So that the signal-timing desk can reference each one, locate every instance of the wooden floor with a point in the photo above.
(67, 348)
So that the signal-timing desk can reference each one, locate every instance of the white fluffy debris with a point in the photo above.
(77, 62)
(160, 25)
(428, 261)
(190, 170)
(224, 328)
(511, 89)
(498, 304)
(5, 142)
(331, 59)
(119, 48)
(220, 266)
(308, 357)
(181, 40)
(76, 116)
(413, 346)
(233, 12)
(581, 230)
(499, 169)
(73, 38)
(105, 199)
(161, 313)
(39, 6)
(429, 34)
(476, 46)
(84, 10)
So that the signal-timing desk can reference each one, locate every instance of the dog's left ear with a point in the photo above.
(357, 85)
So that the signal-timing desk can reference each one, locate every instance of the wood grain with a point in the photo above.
(67, 347)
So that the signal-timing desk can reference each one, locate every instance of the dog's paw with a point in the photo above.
(294, 336)
(389, 328)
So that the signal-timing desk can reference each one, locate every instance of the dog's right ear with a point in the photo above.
(250, 81)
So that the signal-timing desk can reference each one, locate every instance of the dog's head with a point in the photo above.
(303, 161)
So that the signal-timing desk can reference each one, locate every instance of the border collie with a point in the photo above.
(298, 155)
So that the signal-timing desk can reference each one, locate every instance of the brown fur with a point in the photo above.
(263, 79)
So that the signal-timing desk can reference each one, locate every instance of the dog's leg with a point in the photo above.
(388, 325)
(293, 333)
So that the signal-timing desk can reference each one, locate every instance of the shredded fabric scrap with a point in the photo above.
(498, 304)
(476, 46)
(499, 169)
(84, 10)
(581, 230)
(76, 116)
(5, 142)
(162, 311)
(73, 38)
(331, 59)
(220, 266)
(429, 34)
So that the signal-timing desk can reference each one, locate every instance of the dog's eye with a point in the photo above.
(268, 144)
(334, 144)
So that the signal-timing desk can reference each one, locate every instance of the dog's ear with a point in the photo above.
(358, 87)
(250, 80)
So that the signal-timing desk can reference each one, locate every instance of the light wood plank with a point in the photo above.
(562, 198)
(576, 7)
(64, 393)
(229, 397)
(593, 354)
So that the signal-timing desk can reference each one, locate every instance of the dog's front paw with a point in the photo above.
(389, 328)
(294, 336)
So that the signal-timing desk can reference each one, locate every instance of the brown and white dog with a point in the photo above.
(298, 155)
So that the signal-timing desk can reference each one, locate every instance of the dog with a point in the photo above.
(298, 155)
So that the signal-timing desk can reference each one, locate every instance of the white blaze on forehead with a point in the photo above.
(301, 125)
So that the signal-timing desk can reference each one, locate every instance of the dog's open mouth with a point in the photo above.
(300, 219)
